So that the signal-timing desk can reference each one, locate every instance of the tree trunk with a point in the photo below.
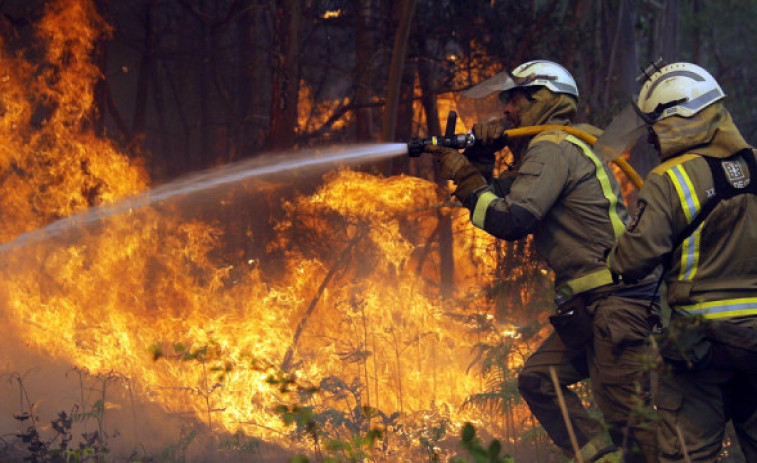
(246, 54)
(666, 32)
(159, 103)
(143, 81)
(698, 39)
(426, 73)
(404, 119)
(205, 86)
(363, 71)
(620, 51)
(286, 74)
(394, 83)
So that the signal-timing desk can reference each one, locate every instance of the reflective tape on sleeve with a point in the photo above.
(479, 212)
(585, 283)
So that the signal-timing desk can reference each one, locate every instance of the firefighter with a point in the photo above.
(697, 215)
(562, 193)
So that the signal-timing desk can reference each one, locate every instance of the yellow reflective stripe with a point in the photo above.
(690, 255)
(585, 283)
(479, 212)
(686, 193)
(617, 225)
(691, 207)
(722, 309)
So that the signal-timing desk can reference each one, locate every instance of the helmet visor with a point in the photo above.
(494, 84)
(622, 134)
(473, 110)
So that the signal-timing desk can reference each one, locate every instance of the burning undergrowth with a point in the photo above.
(202, 304)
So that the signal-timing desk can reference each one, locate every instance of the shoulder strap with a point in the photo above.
(723, 189)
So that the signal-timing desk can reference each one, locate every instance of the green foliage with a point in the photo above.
(57, 447)
(477, 451)
(241, 443)
(501, 383)
(354, 448)
(359, 432)
(177, 453)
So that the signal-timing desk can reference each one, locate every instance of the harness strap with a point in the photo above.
(723, 189)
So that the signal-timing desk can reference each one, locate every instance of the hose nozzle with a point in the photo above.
(459, 141)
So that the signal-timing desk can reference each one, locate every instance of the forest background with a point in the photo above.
(187, 85)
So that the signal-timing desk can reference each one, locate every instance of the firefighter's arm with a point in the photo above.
(648, 238)
(538, 185)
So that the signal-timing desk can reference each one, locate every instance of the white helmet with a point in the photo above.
(678, 89)
(533, 73)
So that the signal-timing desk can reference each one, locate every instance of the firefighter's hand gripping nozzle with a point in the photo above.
(450, 139)
(459, 141)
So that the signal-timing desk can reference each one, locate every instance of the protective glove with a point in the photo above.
(490, 138)
(456, 167)
(483, 159)
(490, 135)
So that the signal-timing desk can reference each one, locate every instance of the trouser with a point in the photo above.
(698, 406)
(695, 406)
(614, 360)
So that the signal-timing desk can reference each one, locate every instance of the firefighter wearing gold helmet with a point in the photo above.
(697, 216)
(569, 200)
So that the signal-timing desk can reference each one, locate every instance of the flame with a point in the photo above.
(332, 14)
(173, 299)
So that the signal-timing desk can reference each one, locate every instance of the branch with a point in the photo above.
(287, 362)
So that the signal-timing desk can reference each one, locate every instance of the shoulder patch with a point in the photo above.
(553, 136)
(734, 173)
(672, 162)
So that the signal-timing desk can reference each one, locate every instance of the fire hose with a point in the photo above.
(415, 146)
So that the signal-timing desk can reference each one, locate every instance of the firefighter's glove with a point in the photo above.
(490, 138)
(483, 159)
(456, 167)
(490, 135)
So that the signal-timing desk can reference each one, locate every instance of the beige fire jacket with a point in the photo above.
(713, 271)
(569, 199)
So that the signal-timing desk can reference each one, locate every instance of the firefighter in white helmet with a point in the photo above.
(569, 199)
(697, 215)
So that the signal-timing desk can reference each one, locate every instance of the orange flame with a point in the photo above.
(350, 291)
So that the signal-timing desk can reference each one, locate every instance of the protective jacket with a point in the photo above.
(710, 269)
(565, 195)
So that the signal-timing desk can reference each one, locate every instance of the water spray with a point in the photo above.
(206, 182)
